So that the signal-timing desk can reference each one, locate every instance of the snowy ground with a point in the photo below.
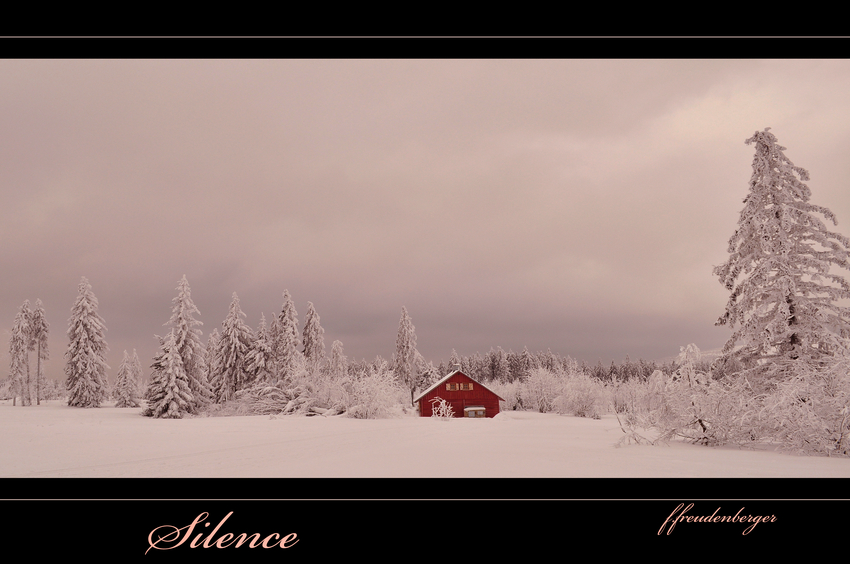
(54, 440)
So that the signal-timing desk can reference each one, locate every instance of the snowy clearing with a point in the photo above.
(55, 440)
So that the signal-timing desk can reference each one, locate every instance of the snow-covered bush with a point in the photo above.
(639, 401)
(689, 404)
(565, 390)
(542, 387)
(373, 393)
(809, 410)
(580, 395)
(511, 392)
(705, 411)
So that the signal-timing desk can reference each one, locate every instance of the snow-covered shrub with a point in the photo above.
(511, 392)
(580, 395)
(441, 408)
(373, 393)
(542, 387)
(687, 404)
(704, 411)
(639, 401)
(809, 410)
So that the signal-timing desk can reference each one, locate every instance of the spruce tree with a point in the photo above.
(314, 339)
(454, 361)
(259, 360)
(125, 387)
(168, 393)
(784, 297)
(500, 370)
(188, 341)
(210, 366)
(136, 364)
(40, 332)
(288, 357)
(19, 341)
(231, 355)
(405, 353)
(30, 346)
(85, 369)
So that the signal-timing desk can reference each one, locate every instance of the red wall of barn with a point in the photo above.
(459, 399)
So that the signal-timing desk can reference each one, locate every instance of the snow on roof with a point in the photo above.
(473, 407)
(446, 377)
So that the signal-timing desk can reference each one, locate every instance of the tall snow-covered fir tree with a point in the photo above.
(784, 295)
(314, 338)
(40, 332)
(286, 343)
(210, 366)
(168, 392)
(188, 341)
(405, 353)
(499, 368)
(28, 382)
(259, 360)
(85, 369)
(125, 393)
(454, 362)
(234, 344)
(19, 342)
(136, 364)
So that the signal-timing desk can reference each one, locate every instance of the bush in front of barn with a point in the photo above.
(565, 391)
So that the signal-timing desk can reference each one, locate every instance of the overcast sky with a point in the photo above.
(577, 205)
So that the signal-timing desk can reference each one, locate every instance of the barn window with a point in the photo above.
(451, 386)
(466, 386)
(475, 411)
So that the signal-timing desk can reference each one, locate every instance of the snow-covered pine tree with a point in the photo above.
(188, 340)
(86, 366)
(40, 331)
(405, 353)
(168, 393)
(454, 362)
(258, 363)
(210, 366)
(527, 362)
(426, 372)
(274, 345)
(125, 387)
(286, 347)
(500, 369)
(339, 363)
(136, 365)
(28, 382)
(232, 351)
(784, 298)
(19, 341)
(314, 339)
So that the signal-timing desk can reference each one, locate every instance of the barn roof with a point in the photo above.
(446, 377)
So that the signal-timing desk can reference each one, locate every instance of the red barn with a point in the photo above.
(467, 397)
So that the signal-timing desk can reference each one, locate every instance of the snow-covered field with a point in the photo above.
(54, 440)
